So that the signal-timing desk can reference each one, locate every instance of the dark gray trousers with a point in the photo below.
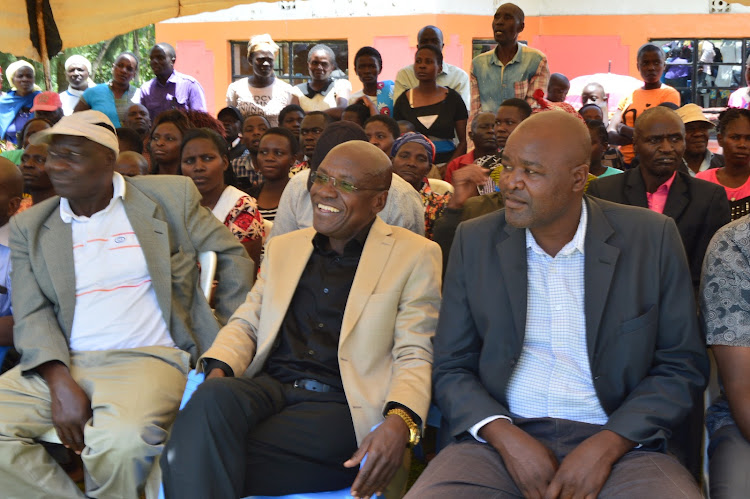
(729, 464)
(470, 469)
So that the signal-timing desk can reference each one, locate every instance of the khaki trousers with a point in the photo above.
(135, 395)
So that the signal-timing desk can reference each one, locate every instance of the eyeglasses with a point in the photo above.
(340, 185)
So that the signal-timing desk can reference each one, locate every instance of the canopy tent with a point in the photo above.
(40, 29)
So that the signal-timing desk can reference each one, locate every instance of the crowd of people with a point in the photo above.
(546, 280)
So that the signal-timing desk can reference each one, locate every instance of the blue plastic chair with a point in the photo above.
(193, 380)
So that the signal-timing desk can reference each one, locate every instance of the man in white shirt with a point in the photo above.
(451, 76)
(108, 315)
(78, 73)
(567, 347)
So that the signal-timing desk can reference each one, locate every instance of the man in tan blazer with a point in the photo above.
(108, 314)
(335, 335)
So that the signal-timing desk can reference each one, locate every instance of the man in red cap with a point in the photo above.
(48, 106)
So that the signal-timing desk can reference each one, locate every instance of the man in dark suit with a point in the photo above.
(698, 207)
(568, 344)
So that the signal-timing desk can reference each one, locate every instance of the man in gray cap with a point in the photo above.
(108, 315)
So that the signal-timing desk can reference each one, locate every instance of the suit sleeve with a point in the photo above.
(717, 217)
(415, 327)
(36, 334)
(680, 368)
(458, 389)
(234, 270)
(237, 342)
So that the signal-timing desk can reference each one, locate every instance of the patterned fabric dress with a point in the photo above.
(239, 212)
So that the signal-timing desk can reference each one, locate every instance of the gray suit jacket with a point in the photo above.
(172, 229)
(646, 353)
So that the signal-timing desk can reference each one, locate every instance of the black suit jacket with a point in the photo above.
(698, 207)
(646, 354)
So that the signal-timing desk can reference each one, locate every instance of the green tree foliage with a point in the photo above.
(102, 56)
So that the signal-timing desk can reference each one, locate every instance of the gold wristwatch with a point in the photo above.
(413, 428)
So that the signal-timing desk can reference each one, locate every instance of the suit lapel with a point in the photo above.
(375, 254)
(599, 267)
(153, 236)
(635, 189)
(57, 247)
(511, 252)
(678, 198)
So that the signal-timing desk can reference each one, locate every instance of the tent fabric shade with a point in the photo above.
(80, 23)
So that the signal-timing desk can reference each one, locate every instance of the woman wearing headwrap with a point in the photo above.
(413, 154)
(15, 106)
(115, 98)
(261, 93)
(78, 72)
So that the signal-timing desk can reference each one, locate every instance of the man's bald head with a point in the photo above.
(515, 10)
(560, 134)
(130, 164)
(168, 49)
(430, 35)
(658, 113)
(365, 159)
(545, 170)
(11, 189)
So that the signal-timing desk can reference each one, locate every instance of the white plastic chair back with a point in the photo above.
(440, 186)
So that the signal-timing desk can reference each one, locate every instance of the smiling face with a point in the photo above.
(252, 130)
(320, 65)
(165, 143)
(342, 215)
(507, 24)
(696, 137)
(412, 163)
(204, 165)
(262, 62)
(23, 80)
(379, 135)
(660, 144)
(124, 69)
(77, 76)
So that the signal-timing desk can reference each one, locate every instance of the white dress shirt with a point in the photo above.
(553, 377)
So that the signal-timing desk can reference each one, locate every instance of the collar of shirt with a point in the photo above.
(118, 186)
(172, 79)
(516, 58)
(311, 92)
(353, 248)
(74, 92)
(658, 199)
(577, 243)
(5, 234)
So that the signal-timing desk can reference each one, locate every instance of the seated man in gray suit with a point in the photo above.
(659, 183)
(108, 315)
(568, 344)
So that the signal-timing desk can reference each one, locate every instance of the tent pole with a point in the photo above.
(43, 44)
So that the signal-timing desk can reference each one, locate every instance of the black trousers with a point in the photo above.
(238, 437)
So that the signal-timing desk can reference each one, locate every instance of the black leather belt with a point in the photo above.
(315, 386)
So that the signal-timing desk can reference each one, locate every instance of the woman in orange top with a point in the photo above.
(654, 92)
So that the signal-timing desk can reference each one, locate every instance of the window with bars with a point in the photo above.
(705, 70)
(291, 61)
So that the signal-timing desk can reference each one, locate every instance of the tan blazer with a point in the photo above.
(385, 346)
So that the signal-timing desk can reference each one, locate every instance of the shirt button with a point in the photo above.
(325, 290)
(320, 325)
(311, 352)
